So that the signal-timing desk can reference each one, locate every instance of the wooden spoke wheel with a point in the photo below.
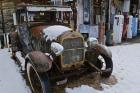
(39, 82)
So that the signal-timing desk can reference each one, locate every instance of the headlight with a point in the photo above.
(92, 41)
(57, 48)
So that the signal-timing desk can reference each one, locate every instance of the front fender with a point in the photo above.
(39, 60)
(102, 49)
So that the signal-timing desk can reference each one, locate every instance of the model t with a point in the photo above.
(53, 52)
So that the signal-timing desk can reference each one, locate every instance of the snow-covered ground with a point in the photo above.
(126, 60)
(11, 81)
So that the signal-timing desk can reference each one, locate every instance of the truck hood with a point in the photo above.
(52, 32)
(49, 32)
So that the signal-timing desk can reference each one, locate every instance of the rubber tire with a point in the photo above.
(43, 79)
(109, 64)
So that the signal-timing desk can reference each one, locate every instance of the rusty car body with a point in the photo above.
(52, 50)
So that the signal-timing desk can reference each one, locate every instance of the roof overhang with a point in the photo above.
(48, 8)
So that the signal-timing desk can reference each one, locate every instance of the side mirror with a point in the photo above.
(57, 48)
(14, 19)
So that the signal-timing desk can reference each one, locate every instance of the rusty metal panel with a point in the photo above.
(37, 31)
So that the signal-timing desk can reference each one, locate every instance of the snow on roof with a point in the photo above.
(53, 32)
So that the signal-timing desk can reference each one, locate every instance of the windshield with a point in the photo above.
(41, 17)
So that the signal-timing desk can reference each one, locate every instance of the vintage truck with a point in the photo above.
(53, 52)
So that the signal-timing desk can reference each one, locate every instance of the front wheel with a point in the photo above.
(39, 82)
(105, 64)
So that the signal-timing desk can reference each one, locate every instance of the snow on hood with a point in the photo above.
(53, 32)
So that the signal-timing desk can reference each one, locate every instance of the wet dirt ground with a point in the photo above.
(93, 80)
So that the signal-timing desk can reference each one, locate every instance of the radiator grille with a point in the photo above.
(73, 43)
(74, 50)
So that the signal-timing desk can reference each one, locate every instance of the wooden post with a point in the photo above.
(109, 3)
(109, 35)
(91, 12)
(139, 17)
(102, 24)
(74, 14)
(101, 31)
(79, 14)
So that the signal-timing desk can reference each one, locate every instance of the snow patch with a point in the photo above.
(11, 80)
(82, 89)
(21, 59)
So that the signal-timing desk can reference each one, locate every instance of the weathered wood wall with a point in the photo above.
(7, 8)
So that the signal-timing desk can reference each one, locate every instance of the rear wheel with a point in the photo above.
(39, 82)
(105, 64)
